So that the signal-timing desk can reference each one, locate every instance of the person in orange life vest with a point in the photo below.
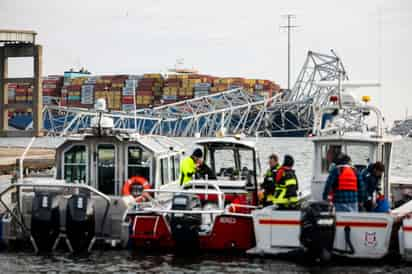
(344, 183)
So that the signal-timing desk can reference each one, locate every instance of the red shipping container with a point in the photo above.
(49, 90)
(117, 81)
(74, 88)
(101, 86)
(128, 100)
(144, 93)
(107, 77)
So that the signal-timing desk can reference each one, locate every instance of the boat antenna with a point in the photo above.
(289, 27)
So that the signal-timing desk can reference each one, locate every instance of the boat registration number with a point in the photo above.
(228, 220)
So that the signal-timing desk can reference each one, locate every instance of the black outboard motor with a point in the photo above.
(80, 221)
(185, 227)
(318, 227)
(45, 220)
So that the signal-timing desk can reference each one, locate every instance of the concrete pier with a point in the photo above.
(17, 43)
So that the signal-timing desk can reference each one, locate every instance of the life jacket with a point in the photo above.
(347, 179)
(286, 187)
(269, 184)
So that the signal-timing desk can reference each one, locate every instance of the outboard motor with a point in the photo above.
(318, 227)
(185, 227)
(45, 220)
(80, 221)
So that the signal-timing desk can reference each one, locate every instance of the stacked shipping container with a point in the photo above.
(127, 92)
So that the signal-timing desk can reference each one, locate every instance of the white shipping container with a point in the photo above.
(88, 88)
(87, 101)
(49, 86)
(128, 107)
(131, 83)
(135, 77)
(48, 100)
(52, 78)
(128, 92)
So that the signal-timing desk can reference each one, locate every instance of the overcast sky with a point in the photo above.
(224, 38)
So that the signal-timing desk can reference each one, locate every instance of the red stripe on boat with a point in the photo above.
(407, 228)
(278, 222)
(347, 223)
(361, 224)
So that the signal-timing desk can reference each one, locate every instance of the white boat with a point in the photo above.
(317, 228)
(99, 175)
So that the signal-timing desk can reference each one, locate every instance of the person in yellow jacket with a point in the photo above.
(189, 165)
(286, 193)
(269, 184)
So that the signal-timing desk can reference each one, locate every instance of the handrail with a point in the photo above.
(23, 156)
(217, 191)
(51, 185)
(177, 211)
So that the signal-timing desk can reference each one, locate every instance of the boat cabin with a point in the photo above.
(355, 129)
(363, 151)
(234, 165)
(106, 161)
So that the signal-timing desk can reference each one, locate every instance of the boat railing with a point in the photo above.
(208, 188)
(20, 220)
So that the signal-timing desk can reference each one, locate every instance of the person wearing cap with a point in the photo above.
(344, 186)
(268, 184)
(371, 177)
(286, 192)
(188, 166)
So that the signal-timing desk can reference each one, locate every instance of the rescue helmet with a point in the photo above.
(288, 160)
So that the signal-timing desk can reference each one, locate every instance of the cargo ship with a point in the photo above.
(128, 92)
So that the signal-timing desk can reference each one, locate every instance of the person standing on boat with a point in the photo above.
(344, 184)
(371, 177)
(286, 192)
(269, 182)
(189, 165)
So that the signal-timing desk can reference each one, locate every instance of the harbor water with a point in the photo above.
(125, 261)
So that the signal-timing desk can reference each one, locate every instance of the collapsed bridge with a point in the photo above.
(290, 113)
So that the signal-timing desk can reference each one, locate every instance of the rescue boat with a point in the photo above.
(211, 213)
(317, 229)
(100, 174)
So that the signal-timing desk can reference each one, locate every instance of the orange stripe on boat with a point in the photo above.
(278, 222)
(361, 224)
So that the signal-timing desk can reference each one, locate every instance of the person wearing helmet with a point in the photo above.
(344, 186)
(286, 192)
(188, 166)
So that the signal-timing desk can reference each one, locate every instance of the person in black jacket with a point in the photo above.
(371, 177)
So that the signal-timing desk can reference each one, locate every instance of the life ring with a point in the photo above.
(137, 180)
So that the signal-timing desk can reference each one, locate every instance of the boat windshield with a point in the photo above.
(361, 155)
(231, 163)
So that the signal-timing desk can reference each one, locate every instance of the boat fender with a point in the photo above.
(137, 181)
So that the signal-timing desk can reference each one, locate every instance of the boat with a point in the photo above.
(403, 127)
(211, 213)
(317, 229)
(100, 174)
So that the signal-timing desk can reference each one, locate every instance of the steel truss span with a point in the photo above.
(290, 113)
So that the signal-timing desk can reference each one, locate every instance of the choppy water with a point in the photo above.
(125, 261)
